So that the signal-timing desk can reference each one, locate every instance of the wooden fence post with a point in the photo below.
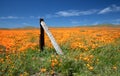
(53, 41)
(42, 41)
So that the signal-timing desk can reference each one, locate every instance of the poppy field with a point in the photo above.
(88, 51)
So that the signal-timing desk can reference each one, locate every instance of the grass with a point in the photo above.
(102, 61)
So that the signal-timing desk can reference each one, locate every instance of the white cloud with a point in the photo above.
(68, 13)
(51, 16)
(25, 23)
(116, 21)
(75, 12)
(48, 16)
(11, 17)
(34, 17)
(17, 17)
(38, 17)
(112, 8)
(95, 23)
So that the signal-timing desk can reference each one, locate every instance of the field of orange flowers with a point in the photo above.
(83, 38)
(87, 51)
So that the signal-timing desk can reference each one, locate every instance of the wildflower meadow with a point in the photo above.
(88, 51)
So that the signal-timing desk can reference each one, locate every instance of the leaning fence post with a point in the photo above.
(42, 42)
(53, 41)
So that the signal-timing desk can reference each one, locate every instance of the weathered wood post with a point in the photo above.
(42, 42)
(53, 41)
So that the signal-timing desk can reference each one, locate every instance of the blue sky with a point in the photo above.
(19, 13)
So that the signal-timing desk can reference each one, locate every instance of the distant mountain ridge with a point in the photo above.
(107, 25)
(99, 25)
(26, 27)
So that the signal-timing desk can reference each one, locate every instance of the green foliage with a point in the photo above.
(105, 62)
